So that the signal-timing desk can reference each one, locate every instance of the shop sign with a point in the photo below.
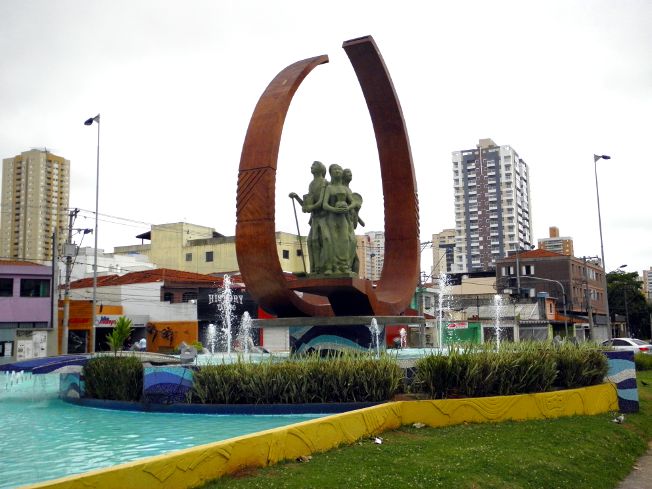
(458, 325)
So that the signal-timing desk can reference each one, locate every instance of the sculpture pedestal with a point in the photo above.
(326, 334)
(348, 296)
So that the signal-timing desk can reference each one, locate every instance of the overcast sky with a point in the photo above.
(176, 83)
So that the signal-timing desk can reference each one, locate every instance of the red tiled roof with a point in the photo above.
(539, 253)
(165, 275)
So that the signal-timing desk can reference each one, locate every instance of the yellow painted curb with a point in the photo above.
(194, 466)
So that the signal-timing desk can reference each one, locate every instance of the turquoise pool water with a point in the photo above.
(42, 437)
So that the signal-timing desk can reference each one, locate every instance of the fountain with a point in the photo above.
(498, 313)
(211, 337)
(226, 307)
(244, 334)
(443, 303)
(375, 336)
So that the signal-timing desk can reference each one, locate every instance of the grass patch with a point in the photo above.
(643, 361)
(579, 452)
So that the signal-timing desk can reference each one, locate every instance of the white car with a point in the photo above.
(629, 344)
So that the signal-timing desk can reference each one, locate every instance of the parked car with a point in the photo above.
(629, 344)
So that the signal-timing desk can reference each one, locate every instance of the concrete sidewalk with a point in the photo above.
(641, 475)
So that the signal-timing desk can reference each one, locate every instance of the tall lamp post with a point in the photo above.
(604, 266)
(89, 122)
(620, 269)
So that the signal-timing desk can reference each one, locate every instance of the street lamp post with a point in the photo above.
(89, 122)
(563, 296)
(620, 270)
(604, 266)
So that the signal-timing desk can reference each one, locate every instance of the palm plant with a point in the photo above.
(116, 339)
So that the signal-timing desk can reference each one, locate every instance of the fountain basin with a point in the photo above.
(195, 466)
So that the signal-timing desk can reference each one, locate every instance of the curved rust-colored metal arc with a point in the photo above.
(402, 257)
(255, 229)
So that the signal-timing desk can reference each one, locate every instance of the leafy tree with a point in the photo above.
(116, 339)
(626, 298)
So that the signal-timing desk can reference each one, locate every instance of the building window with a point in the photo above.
(6, 287)
(6, 348)
(299, 252)
(286, 254)
(527, 269)
(209, 256)
(34, 288)
(168, 297)
(189, 296)
(188, 256)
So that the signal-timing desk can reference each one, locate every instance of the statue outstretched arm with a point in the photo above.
(294, 196)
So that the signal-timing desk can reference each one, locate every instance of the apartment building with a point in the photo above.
(200, 249)
(35, 193)
(374, 254)
(647, 284)
(443, 252)
(555, 243)
(492, 205)
(578, 281)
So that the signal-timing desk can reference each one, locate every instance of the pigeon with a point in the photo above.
(619, 419)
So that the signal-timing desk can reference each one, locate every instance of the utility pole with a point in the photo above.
(420, 298)
(66, 293)
(587, 296)
(53, 334)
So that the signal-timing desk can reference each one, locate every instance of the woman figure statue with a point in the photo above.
(356, 199)
(337, 203)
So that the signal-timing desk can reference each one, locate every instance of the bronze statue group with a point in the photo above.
(333, 210)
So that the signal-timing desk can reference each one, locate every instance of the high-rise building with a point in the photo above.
(375, 254)
(647, 284)
(35, 193)
(443, 252)
(554, 242)
(492, 205)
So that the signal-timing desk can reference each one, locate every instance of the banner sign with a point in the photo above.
(458, 325)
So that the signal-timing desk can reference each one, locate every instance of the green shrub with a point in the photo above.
(114, 378)
(478, 371)
(310, 379)
(580, 365)
(515, 368)
(643, 361)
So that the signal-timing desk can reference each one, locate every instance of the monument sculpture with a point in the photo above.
(331, 289)
(333, 210)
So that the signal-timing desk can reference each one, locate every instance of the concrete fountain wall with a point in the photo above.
(194, 466)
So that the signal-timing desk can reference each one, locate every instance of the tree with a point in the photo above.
(626, 298)
(116, 339)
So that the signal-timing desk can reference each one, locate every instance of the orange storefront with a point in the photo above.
(162, 336)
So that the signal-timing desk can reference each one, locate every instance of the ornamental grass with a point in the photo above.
(114, 378)
(311, 379)
(514, 368)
